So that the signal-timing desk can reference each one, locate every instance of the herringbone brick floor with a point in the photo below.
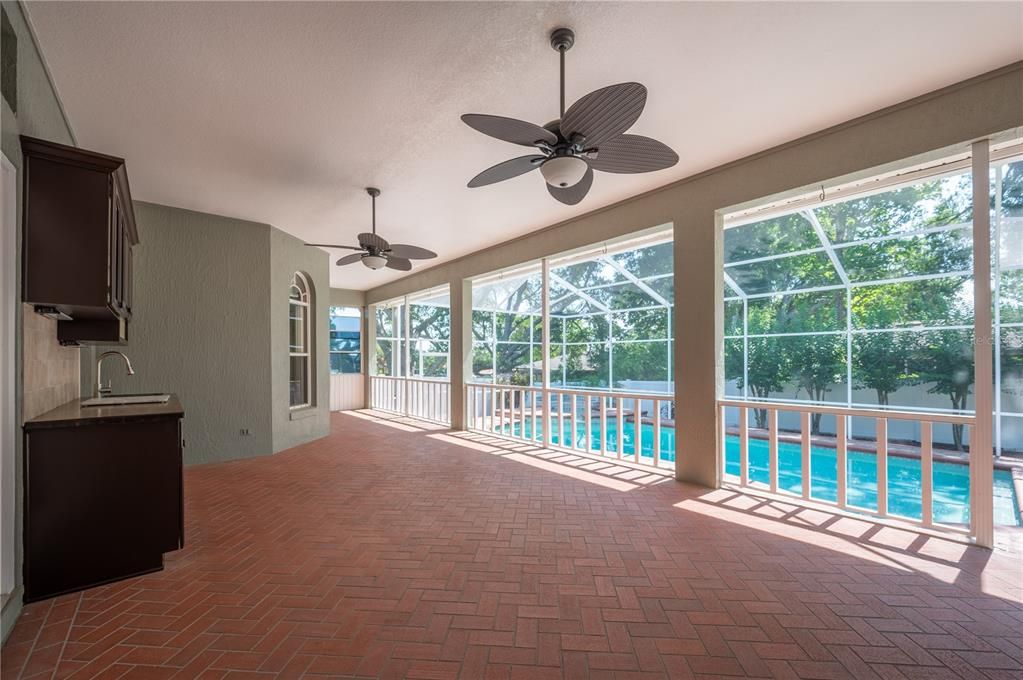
(387, 550)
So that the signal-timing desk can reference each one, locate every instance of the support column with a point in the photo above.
(460, 293)
(369, 353)
(698, 370)
(981, 457)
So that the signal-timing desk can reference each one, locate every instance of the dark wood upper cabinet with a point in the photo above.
(79, 231)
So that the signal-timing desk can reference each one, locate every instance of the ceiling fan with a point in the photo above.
(375, 252)
(588, 136)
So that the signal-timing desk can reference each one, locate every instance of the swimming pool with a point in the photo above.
(951, 480)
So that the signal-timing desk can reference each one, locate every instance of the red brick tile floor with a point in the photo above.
(393, 549)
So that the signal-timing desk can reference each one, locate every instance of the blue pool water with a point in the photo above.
(951, 480)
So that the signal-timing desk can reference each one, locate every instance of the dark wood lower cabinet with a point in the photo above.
(103, 501)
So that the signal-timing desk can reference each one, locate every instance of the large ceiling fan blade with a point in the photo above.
(331, 245)
(506, 170)
(605, 113)
(399, 263)
(632, 154)
(408, 252)
(575, 193)
(349, 259)
(372, 241)
(509, 129)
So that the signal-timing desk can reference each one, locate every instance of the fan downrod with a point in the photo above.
(562, 39)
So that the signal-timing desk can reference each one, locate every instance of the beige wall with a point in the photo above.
(344, 297)
(974, 109)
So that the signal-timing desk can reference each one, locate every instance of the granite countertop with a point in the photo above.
(74, 414)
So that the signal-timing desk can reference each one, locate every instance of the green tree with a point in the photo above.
(818, 363)
(944, 359)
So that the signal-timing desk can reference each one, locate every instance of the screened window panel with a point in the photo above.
(623, 296)
(797, 313)
(1010, 293)
(644, 324)
(937, 253)
(585, 366)
(482, 362)
(944, 364)
(583, 328)
(645, 262)
(886, 367)
(784, 274)
(817, 366)
(1011, 362)
(934, 302)
(385, 357)
(482, 325)
(641, 362)
(513, 363)
(429, 321)
(513, 327)
(933, 203)
(588, 274)
(386, 327)
(665, 287)
(733, 317)
(773, 236)
(733, 367)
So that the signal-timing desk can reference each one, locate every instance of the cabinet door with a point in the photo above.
(113, 261)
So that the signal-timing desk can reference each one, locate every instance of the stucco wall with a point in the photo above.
(49, 374)
(200, 328)
(344, 297)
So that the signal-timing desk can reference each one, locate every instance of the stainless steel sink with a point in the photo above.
(123, 399)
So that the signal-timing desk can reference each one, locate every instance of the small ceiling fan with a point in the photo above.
(375, 252)
(588, 136)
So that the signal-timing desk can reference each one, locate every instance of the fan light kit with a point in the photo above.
(589, 135)
(376, 253)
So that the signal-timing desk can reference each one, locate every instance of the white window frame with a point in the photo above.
(300, 282)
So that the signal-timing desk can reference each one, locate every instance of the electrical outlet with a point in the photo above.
(244, 432)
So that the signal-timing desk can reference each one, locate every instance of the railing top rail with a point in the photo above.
(856, 412)
(664, 396)
(442, 381)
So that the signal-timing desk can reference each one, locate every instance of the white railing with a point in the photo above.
(633, 426)
(735, 419)
(425, 398)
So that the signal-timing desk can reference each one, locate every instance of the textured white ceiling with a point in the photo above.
(282, 112)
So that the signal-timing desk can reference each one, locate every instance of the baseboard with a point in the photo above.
(10, 610)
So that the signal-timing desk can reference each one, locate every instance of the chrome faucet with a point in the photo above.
(100, 389)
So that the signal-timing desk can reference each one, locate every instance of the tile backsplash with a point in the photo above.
(51, 375)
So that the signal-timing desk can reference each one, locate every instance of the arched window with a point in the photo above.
(300, 355)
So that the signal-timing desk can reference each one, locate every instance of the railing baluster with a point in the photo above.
(657, 432)
(492, 410)
(772, 448)
(621, 432)
(805, 419)
(603, 425)
(588, 419)
(743, 446)
(882, 466)
(840, 461)
(927, 473)
(571, 402)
